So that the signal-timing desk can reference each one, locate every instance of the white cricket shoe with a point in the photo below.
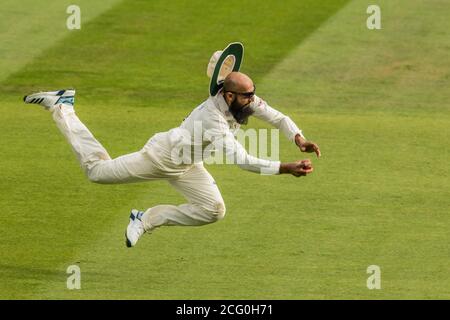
(135, 228)
(51, 98)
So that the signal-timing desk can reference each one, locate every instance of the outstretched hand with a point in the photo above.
(307, 146)
(298, 168)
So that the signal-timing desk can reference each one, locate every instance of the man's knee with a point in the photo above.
(95, 178)
(96, 175)
(106, 172)
(217, 212)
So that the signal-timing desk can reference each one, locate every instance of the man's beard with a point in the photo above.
(240, 112)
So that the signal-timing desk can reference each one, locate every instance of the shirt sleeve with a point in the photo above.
(223, 140)
(274, 117)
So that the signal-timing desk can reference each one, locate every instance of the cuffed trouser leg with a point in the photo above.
(205, 202)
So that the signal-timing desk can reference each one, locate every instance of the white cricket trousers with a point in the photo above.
(205, 204)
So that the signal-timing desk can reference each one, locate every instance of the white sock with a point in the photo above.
(65, 108)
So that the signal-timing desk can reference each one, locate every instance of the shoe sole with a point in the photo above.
(127, 242)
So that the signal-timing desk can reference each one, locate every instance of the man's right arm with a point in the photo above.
(236, 153)
(219, 135)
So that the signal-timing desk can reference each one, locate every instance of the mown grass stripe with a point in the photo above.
(29, 27)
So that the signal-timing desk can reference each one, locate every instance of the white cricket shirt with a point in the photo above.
(211, 126)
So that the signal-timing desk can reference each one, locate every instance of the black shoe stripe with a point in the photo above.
(40, 100)
(60, 92)
(33, 100)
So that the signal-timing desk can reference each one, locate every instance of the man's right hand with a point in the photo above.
(298, 168)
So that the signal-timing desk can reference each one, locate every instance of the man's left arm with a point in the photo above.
(282, 122)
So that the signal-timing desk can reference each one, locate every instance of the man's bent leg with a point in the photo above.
(87, 149)
(93, 157)
(205, 205)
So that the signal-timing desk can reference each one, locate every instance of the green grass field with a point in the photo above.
(376, 101)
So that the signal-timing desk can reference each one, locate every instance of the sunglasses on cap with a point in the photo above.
(247, 95)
